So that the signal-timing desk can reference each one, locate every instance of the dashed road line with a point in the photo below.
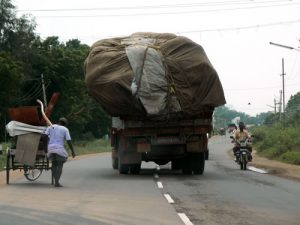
(169, 199)
(252, 168)
(185, 219)
(159, 185)
(182, 216)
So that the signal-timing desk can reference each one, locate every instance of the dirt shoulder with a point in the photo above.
(276, 168)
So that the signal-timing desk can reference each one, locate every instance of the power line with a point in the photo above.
(28, 95)
(202, 30)
(169, 6)
(260, 88)
(153, 13)
(244, 27)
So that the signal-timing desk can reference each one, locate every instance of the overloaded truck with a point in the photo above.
(160, 90)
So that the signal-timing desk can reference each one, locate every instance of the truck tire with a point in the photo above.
(114, 156)
(198, 163)
(115, 163)
(135, 168)
(123, 169)
(194, 163)
(186, 165)
(129, 160)
(176, 164)
(207, 154)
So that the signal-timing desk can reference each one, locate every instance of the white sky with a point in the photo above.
(234, 34)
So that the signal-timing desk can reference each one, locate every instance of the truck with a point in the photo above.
(160, 91)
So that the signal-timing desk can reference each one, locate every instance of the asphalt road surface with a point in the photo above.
(94, 193)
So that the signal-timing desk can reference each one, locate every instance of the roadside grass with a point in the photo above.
(92, 146)
(80, 147)
(278, 143)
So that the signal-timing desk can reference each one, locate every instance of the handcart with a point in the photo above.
(29, 143)
(32, 170)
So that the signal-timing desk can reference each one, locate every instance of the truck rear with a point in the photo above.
(160, 90)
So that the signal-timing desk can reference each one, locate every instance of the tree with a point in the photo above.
(293, 110)
(24, 56)
(11, 77)
(7, 21)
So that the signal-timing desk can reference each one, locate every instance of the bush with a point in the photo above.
(292, 157)
(270, 153)
(278, 142)
(94, 146)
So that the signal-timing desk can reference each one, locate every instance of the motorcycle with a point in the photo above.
(243, 155)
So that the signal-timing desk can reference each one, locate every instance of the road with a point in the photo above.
(93, 193)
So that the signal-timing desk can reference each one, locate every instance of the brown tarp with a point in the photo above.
(152, 75)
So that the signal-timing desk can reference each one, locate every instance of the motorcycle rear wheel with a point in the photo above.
(244, 162)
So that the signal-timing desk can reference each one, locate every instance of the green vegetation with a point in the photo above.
(93, 146)
(279, 137)
(25, 56)
(223, 116)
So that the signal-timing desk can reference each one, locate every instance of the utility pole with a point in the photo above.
(44, 90)
(283, 91)
(280, 104)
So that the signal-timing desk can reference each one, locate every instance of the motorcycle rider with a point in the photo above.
(241, 135)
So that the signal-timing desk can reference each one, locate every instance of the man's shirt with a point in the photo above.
(241, 135)
(57, 135)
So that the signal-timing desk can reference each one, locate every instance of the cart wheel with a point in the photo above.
(33, 174)
(7, 167)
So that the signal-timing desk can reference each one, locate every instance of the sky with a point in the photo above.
(235, 35)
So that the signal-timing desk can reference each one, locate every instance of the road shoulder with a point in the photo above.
(276, 168)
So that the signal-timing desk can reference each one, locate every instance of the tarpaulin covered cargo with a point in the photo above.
(152, 76)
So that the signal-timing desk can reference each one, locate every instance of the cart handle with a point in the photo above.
(43, 113)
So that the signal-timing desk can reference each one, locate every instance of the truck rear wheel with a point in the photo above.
(198, 163)
(128, 157)
(135, 168)
(114, 159)
(176, 164)
(186, 165)
(194, 163)
(207, 154)
(123, 169)
(115, 163)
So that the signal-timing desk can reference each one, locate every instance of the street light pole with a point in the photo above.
(283, 91)
(284, 46)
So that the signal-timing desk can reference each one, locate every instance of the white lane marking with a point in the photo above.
(157, 168)
(156, 176)
(185, 219)
(159, 185)
(256, 169)
(169, 199)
